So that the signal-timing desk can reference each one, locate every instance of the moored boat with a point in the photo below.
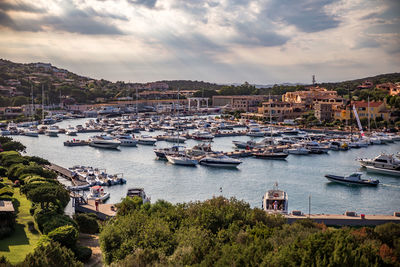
(220, 160)
(275, 201)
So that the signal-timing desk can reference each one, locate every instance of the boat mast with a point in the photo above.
(270, 114)
(32, 103)
(137, 99)
(42, 103)
(369, 123)
(351, 117)
(177, 111)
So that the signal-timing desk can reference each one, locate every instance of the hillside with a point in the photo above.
(18, 80)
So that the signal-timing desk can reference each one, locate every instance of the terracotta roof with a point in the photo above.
(363, 104)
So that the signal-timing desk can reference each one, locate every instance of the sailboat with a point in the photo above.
(181, 158)
(31, 131)
(271, 153)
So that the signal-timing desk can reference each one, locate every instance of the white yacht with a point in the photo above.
(298, 150)
(255, 132)
(97, 193)
(181, 160)
(52, 131)
(139, 192)
(31, 132)
(71, 131)
(275, 201)
(220, 160)
(103, 141)
(146, 140)
(198, 135)
(127, 140)
(384, 163)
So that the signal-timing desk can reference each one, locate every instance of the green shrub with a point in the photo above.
(3, 171)
(51, 254)
(82, 253)
(38, 160)
(49, 220)
(6, 192)
(66, 235)
(87, 223)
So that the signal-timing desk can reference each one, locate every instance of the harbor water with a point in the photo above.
(300, 176)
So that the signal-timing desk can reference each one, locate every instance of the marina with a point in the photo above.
(299, 175)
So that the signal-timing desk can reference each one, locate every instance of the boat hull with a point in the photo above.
(381, 170)
(341, 180)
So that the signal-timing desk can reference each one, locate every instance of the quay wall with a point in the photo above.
(343, 220)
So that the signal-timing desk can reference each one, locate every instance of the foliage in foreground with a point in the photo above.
(222, 232)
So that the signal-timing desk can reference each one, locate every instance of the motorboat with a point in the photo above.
(298, 150)
(162, 152)
(103, 141)
(270, 154)
(52, 131)
(198, 135)
(199, 150)
(127, 140)
(352, 179)
(384, 163)
(220, 160)
(146, 140)
(290, 131)
(76, 142)
(71, 131)
(31, 132)
(255, 132)
(275, 201)
(97, 193)
(138, 192)
(173, 138)
(316, 148)
(178, 159)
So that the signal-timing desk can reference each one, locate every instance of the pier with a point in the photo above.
(345, 220)
(63, 172)
(84, 205)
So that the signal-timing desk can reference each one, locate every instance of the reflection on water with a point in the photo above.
(299, 176)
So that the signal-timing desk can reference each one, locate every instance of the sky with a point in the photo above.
(225, 41)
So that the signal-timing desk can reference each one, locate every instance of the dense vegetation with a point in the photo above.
(49, 198)
(222, 232)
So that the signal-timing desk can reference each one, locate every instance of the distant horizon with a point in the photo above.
(218, 83)
(227, 41)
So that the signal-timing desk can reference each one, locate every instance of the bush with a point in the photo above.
(82, 253)
(38, 160)
(3, 171)
(51, 254)
(87, 223)
(49, 220)
(66, 235)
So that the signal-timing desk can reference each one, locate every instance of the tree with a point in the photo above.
(48, 193)
(66, 235)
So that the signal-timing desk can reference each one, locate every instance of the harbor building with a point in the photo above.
(323, 111)
(248, 103)
(313, 95)
(375, 109)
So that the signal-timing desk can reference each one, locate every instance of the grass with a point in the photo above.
(22, 241)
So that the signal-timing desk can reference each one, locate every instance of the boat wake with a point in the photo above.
(390, 185)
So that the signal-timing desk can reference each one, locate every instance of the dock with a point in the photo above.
(63, 172)
(345, 220)
(103, 212)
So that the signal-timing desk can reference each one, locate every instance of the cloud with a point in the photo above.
(146, 3)
(20, 6)
(308, 16)
(258, 34)
(73, 19)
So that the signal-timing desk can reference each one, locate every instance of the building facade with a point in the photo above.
(248, 103)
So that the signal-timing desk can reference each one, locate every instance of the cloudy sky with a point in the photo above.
(259, 41)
